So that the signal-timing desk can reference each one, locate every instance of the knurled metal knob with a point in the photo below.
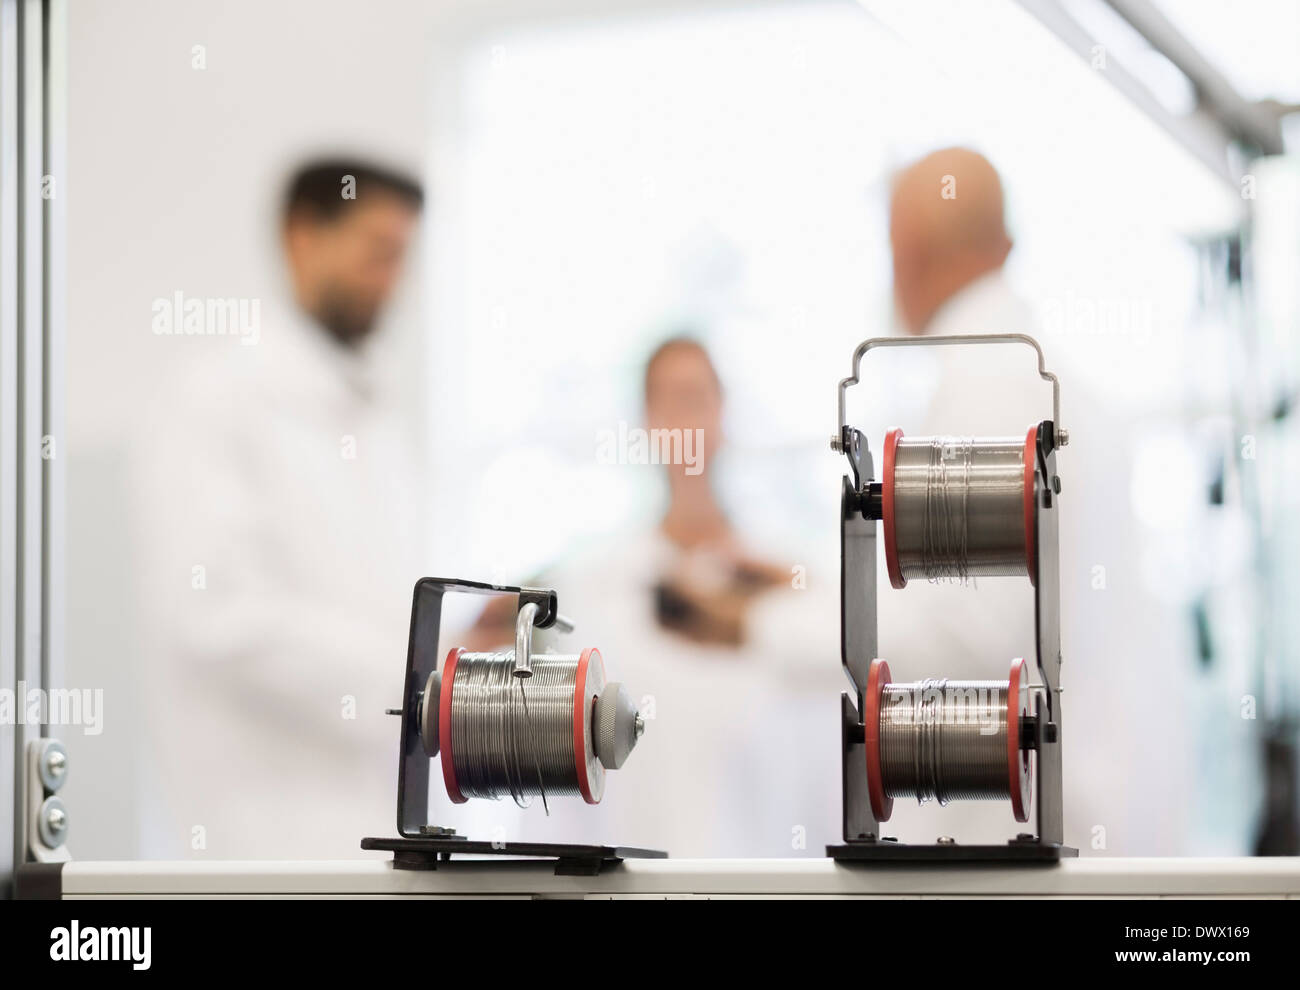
(618, 726)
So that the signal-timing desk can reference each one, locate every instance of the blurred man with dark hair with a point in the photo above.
(278, 496)
(346, 232)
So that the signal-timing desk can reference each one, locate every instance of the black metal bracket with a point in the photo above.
(416, 848)
(421, 661)
(1026, 850)
(571, 859)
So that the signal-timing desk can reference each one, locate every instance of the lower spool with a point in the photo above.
(946, 740)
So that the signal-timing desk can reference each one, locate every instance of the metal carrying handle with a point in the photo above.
(524, 636)
(1061, 436)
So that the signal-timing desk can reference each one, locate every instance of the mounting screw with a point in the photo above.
(52, 822)
(1056, 483)
(437, 831)
(52, 765)
(837, 444)
(1062, 438)
(947, 840)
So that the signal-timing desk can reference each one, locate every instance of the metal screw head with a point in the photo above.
(947, 840)
(638, 726)
(1063, 438)
(52, 822)
(837, 444)
(52, 765)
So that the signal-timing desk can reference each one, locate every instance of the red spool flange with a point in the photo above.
(887, 509)
(581, 721)
(877, 677)
(1018, 760)
(444, 726)
(1031, 527)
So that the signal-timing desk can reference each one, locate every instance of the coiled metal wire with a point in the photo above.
(513, 736)
(959, 507)
(945, 740)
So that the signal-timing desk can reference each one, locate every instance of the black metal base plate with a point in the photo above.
(902, 852)
(570, 859)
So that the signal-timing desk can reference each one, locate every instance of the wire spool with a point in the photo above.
(955, 508)
(946, 740)
(552, 734)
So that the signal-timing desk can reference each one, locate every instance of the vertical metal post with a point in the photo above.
(31, 382)
(54, 200)
(1047, 624)
(10, 793)
(858, 649)
(32, 158)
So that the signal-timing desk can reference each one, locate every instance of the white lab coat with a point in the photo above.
(740, 753)
(1124, 776)
(277, 501)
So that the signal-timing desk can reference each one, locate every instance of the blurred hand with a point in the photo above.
(707, 595)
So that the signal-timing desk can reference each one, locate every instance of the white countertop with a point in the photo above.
(807, 877)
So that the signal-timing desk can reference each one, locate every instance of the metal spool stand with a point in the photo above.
(1034, 734)
(601, 729)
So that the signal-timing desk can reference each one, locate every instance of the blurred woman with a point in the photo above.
(733, 658)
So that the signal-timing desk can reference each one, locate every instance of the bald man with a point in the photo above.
(950, 243)
(946, 232)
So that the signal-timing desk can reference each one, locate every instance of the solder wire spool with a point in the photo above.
(946, 740)
(955, 508)
(555, 736)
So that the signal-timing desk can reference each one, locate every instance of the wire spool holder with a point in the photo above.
(1037, 730)
(422, 845)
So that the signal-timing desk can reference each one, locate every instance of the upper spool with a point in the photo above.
(953, 507)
